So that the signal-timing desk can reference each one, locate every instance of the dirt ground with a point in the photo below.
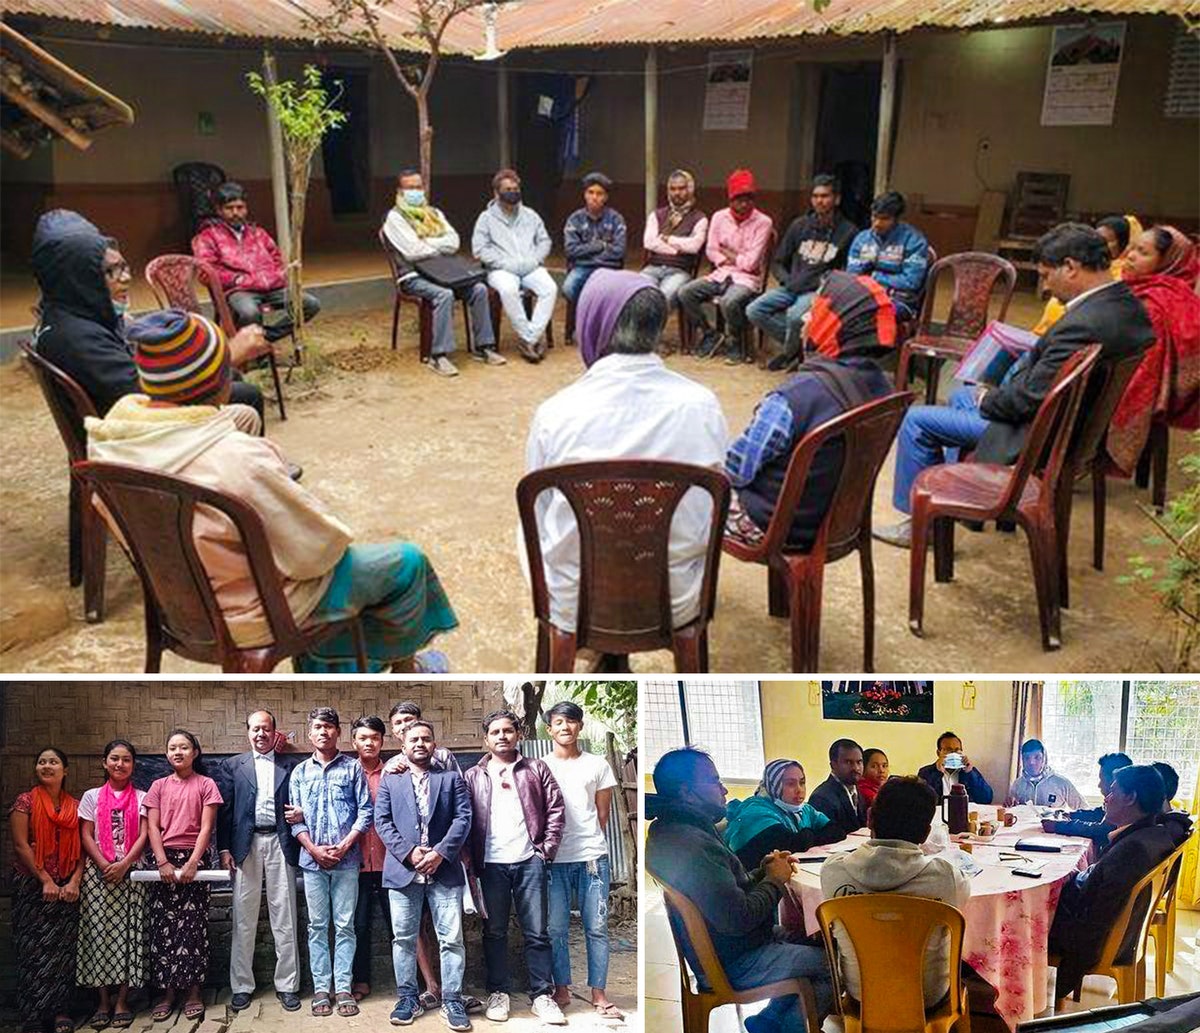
(398, 451)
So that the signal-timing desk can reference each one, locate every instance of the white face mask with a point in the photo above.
(791, 808)
(120, 308)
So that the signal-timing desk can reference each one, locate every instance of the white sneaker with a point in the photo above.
(549, 1012)
(443, 367)
(491, 357)
(497, 1007)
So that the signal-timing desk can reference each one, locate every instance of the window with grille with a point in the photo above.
(724, 718)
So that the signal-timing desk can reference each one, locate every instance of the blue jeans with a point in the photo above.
(774, 961)
(446, 906)
(522, 886)
(573, 879)
(331, 894)
(443, 300)
(779, 312)
(575, 279)
(934, 434)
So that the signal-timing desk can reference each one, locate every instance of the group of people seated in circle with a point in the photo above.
(733, 859)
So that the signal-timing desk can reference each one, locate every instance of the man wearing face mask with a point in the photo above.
(417, 230)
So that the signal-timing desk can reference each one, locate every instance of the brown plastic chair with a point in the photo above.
(796, 579)
(992, 491)
(173, 278)
(528, 300)
(154, 513)
(87, 538)
(1152, 464)
(1162, 921)
(890, 932)
(975, 275)
(623, 509)
(713, 989)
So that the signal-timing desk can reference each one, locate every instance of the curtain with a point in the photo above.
(1188, 892)
(1027, 722)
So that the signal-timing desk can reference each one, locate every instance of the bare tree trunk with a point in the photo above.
(301, 170)
(425, 136)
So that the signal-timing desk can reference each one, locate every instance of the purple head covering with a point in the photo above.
(604, 296)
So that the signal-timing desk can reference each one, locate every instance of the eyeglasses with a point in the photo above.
(116, 270)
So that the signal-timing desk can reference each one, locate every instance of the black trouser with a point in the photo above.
(524, 887)
(370, 889)
(247, 308)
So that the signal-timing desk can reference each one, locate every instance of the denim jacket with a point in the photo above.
(336, 801)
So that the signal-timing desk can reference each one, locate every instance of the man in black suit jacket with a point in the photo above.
(939, 778)
(1073, 261)
(423, 817)
(838, 797)
(255, 843)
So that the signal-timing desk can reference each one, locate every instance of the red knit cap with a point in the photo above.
(740, 181)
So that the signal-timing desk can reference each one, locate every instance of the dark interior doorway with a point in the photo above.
(847, 128)
(546, 112)
(347, 149)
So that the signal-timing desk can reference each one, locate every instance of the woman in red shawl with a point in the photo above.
(1161, 268)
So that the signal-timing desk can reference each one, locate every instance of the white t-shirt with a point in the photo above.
(508, 839)
(87, 812)
(580, 778)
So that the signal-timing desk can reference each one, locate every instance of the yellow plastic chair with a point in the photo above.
(889, 932)
(1162, 923)
(698, 1003)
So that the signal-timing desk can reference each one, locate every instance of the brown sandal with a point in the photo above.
(321, 1006)
(346, 1005)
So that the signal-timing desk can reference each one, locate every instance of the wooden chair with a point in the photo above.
(174, 278)
(1123, 955)
(87, 538)
(623, 509)
(890, 932)
(1162, 921)
(154, 513)
(974, 276)
(1153, 463)
(712, 987)
(795, 579)
(992, 491)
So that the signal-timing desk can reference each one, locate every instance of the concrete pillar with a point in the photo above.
(651, 82)
(887, 115)
(502, 108)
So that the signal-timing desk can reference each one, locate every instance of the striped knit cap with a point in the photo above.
(772, 779)
(181, 357)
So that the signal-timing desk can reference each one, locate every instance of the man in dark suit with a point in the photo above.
(838, 797)
(423, 817)
(1072, 260)
(940, 775)
(1092, 900)
(255, 843)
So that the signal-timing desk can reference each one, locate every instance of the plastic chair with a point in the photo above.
(1162, 921)
(795, 578)
(195, 182)
(713, 989)
(173, 278)
(1152, 465)
(974, 275)
(87, 538)
(992, 491)
(905, 328)
(154, 513)
(623, 509)
(890, 932)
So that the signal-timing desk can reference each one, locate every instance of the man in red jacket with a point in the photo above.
(250, 266)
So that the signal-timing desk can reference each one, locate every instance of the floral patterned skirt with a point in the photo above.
(178, 920)
(44, 939)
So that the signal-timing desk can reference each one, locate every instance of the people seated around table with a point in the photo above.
(83, 322)
(627, 405)
(593, 237)
(892, 861)
(875, 773)
(177, 425)
(248, 263)
(838, 797)
(1092, 900)
(738, 238)
(852, 325)
(511, 242)
(1177, 822)
(776, 817)
(1161, 269)
(675, 236)
(1090, 822)
(684, 851)
(954, 767)
(993, 421)
(894, 254)
(1041, 786)
(416, 231)
(813, 244)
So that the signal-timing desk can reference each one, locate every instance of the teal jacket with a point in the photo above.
(750, 818)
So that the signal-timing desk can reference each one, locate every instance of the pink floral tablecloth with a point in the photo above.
(1008, 916)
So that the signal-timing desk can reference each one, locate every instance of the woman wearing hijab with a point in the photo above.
(627, 405)
(852, 323)
(1161, 269)
(776, 817)
(675, 236)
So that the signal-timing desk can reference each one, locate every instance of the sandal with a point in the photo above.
(193, 1010)
(609, 1011)
(122, 1019)
(101, 1020)
(64, 1026)
(429, 1000)
(346, 1005)
(431, 661)
(472, 1003)
(162, 1011)
(321, 1006)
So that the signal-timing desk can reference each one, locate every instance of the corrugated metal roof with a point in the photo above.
(563, 23)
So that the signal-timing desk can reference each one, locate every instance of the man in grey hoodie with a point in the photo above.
(512, 243)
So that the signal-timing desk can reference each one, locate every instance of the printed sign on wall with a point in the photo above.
(727, 89)
(1082, 73)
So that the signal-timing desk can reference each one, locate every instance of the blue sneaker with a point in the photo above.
(455, 1014)
(407, 1009)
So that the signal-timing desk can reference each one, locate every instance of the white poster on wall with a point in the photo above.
(727, 89)
(1082, 73)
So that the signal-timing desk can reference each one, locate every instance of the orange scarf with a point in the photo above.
(50, 827)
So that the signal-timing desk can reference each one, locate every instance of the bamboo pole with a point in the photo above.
(502, 123)
(279, 187)
(39, 111)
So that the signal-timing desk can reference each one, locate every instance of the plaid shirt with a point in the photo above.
(768, 436)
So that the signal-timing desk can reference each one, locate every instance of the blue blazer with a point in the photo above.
(978, 790)
(397, 825)
(239, 789)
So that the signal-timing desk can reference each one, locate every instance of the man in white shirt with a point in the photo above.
(627, 405)
(580, 867)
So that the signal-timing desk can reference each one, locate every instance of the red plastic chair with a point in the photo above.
(795, 578)
(975, 276)
(992, 491)
(623, 509)
(173, 278)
